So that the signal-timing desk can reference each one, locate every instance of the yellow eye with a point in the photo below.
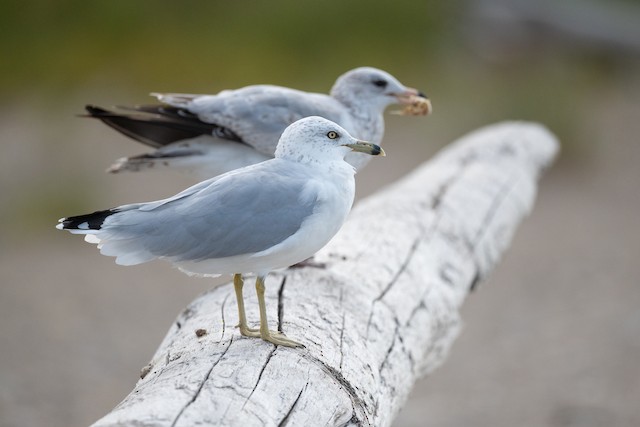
(332, 135)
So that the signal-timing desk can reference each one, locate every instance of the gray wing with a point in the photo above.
(236, 214)
(259, 114)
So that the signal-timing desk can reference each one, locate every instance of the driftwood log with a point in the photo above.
(382, 311)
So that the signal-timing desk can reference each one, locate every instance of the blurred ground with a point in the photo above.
(552, 338)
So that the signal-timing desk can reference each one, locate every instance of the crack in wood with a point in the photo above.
(324, 318)
(344, 314)
(439, 195)
(358, 405)
(471, 244)
(392, 282)
(200, 387)
(391, 347)
(266, 362)
(435, 204)
(421, 306)
(476, 280)
(398, 335)
(355, 420)
(281, 303)
(222, 306)
(342, 340)
(404, 349)
(462, 244)
(187, 314)
(437, 198)
(504, 191)
(444, 272)
(439, 332)
(285, 419)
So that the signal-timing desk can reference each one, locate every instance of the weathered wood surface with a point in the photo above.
(382, 313)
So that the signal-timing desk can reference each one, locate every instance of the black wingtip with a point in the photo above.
(95, 112)
(92, 221)
(92, 109)
(157, 125)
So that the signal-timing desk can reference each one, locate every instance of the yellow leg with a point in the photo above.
(242, 324)
(274, 337)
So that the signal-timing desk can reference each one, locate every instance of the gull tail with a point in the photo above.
(156, 125)
(111, 237)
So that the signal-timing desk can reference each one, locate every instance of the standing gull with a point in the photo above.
(254, 220)
(211, 134)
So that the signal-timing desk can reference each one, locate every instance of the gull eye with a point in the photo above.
(380, 83)
(332, 134)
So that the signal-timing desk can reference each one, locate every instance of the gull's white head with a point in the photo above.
(368, 87)
(315, 140)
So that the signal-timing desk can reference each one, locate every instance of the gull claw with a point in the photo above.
(274, 337)
(249, 332)
(278, 338)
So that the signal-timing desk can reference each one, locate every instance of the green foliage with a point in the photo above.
(64, 44)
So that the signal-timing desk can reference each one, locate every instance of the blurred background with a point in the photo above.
(551, 339)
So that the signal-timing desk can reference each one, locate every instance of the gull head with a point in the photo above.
(318, 140)
(372, 88)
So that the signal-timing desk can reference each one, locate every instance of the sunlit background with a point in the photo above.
(552, 338)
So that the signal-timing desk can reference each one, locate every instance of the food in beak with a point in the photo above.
(415, 106)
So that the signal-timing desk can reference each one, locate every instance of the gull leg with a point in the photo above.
(274, 337)
(242, 324)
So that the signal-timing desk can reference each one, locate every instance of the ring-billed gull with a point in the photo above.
(210, 134)
(252, 220)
